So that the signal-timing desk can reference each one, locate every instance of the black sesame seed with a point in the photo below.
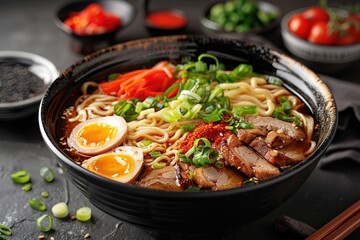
(17, 83)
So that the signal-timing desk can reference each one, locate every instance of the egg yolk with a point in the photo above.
(96, 135)
(113, 165)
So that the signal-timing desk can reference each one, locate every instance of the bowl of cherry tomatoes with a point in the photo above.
(326, 38)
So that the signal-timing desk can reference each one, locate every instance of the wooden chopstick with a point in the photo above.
(341, 226)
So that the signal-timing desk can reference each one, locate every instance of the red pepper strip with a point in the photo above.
(139, 83)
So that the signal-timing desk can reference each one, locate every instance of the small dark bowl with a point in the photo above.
(212, 27)
(124, 9)
(188, 214)
(158, 30)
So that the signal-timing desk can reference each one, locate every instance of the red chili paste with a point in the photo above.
(166, 19)
(210, 131)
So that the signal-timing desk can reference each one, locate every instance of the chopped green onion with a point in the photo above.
(190, 152)
(20, 177)
(113, 76)
(202, 142)
(242, 70)
(282, 112)
(83, 214)
(26, 187)
(126, 109)
(45, 223)
(249, 109)
(273, 80)
(245, 125)
(155, 154)
(144, 143)
(60, 210)
(158, 165)
(171, 116)
(48, 174)
(208, 118)
(188, 128)
(37, 204)
(45, 194)
(5, 230)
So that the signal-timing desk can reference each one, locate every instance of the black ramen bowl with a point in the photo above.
(181, 214)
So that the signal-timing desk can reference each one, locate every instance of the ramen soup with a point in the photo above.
(190, 126)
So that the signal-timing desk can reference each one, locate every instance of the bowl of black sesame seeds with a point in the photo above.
(24, 78)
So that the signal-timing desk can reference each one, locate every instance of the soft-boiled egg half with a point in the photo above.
(124, 164)
(98, 135)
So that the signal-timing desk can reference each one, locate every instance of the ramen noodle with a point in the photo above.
(196, 125)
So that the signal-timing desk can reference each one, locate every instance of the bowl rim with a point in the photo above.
(213, 26)
(61, 25)
(35, 58)
(153, 193)
(284, 27)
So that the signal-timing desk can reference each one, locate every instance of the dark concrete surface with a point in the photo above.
(27, 25)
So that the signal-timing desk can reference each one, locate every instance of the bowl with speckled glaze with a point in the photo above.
(179, 214)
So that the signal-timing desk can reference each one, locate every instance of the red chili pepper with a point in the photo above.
(92, 20)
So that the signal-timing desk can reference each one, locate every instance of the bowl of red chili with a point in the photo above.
(166, 21)
(95, 20)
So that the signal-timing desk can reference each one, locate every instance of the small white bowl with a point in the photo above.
(328, 58)
(37, 65)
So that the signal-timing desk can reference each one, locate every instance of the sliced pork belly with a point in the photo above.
(289, 155)
(247, 135)
(277, 140)
(245, 159)
(217, 179)
(183, 171)
(161, 179)
(268, 124)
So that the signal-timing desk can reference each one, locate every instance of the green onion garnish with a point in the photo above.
(188, 128)
(20, 177)
(5, 230)
(45, 194)
(249, 109)
(48, 174)
(45, 223)
(83, 214)
(144, 143)
(60, 210)
(155, 154)
(26, 187)
(37, 204)
(158, 165)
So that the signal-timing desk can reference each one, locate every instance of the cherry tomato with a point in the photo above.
(316, 14)
(320, 34)
(299, 25)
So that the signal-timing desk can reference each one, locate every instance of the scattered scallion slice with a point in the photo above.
(158, 165)
(20, 177)
(26, 187)
(188, 128)
(37, 204)
(155, 154)
(45, 223)
(45, 194)
(47, 173)
(60, 210)
(83, 214)
(5, 230)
